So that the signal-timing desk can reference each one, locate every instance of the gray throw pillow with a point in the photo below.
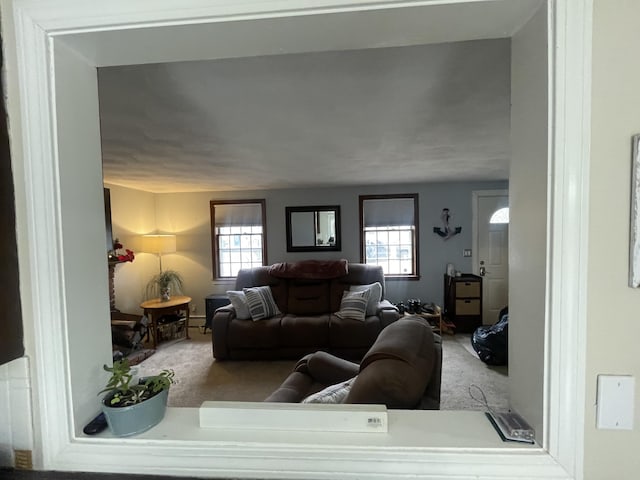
(375, 296)
(332, 394)
(353, 305)
(239, 301)
(261, 302)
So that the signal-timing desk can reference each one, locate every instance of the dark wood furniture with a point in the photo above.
(438, 322)
(156, 308)
(463, 301)
(212, 303)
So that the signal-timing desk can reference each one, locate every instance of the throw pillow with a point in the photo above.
(261, 302)
(353, 305)
(375, 296)
(332, 394)
(239, 301)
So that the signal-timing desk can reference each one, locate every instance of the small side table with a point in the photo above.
(155, 308)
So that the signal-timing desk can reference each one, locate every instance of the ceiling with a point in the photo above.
(423, 113)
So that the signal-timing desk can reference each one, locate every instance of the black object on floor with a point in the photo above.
(96, 425)
(491, 342)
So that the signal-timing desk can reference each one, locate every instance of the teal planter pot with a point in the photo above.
(138, 418)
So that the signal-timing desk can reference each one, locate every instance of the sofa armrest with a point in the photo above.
(219, 331)
(431, 398)
(387, 313)
(329, 369)
(295, 387)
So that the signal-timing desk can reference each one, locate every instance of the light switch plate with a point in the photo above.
(466, 252)
(615, 402)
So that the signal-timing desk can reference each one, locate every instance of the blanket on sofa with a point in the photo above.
(310, 269)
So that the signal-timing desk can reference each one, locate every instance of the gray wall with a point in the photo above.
(187, 215)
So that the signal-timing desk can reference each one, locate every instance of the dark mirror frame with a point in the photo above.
(335, 247)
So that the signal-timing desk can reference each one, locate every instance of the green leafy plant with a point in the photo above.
(167, 279)
(123, 394)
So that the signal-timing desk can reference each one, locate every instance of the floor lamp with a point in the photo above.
(159, 244)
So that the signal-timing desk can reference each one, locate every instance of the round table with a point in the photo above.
(154, 309)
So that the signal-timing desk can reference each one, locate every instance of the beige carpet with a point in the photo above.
(201, 378)
(462, 368)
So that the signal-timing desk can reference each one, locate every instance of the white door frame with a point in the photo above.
(42, 268)
(475, 195)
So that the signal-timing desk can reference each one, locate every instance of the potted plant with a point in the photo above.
(162, 284)
(131, 409)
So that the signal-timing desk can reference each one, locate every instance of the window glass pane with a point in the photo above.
(500, 216)
(224, 256)
(239, 230)
(389, 235)
(225, 270)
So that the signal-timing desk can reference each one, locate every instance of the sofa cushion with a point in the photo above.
(239, 301)
(258, 335)
(252, 277)
(349, 333)
(304, 331)
(359, 274)
(375, 295)
(354, 305)
(308, 297)
(261, 302)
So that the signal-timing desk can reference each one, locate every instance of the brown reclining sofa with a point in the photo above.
(307, 293)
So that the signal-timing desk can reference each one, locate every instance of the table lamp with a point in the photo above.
(159, 244)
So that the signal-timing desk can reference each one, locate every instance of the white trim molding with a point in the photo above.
(475, 195)
(16, 430)
(244, 454)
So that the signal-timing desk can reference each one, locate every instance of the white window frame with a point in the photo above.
(58, 447)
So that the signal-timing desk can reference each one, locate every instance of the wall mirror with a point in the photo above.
(313, 229)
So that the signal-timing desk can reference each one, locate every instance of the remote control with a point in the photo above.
(511, 426)
(96, 425)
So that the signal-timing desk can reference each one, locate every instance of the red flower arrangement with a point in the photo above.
(115, 256)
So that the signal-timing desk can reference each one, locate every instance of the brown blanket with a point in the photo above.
(311, 269)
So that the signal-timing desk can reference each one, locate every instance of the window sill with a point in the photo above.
(410, 278)
(444, 443)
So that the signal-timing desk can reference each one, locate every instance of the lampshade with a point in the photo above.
(158, 243)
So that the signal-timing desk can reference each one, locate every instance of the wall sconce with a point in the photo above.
(159, 244)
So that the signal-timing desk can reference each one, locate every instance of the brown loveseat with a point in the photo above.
(307, 294)
(401, 370)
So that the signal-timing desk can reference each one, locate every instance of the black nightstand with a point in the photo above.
(212, 303)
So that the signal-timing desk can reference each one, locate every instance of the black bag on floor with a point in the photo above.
(491, 342)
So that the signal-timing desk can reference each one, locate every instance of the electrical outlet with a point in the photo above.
(466, 252)
(194, 309)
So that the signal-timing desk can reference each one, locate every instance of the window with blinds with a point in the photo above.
(238, 236)
(389, 233)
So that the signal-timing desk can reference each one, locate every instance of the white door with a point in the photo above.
(491, 250)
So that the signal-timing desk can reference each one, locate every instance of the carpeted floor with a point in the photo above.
(462, 368)
(201, 378)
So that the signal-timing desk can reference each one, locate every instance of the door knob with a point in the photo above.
(482, 271)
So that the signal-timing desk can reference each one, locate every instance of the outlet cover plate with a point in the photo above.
(615, 402)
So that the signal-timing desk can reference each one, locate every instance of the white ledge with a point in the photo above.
(294, 417)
